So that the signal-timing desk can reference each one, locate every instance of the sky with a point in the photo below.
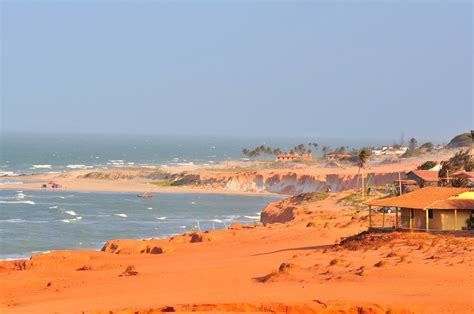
(355, 69)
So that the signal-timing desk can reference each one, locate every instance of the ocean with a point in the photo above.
(39, 221)
(39, 153)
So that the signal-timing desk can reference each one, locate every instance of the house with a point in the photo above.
(292, 157)
(431, 208)
(338, 156)
(424, 177)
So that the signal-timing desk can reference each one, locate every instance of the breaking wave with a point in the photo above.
(18, 202)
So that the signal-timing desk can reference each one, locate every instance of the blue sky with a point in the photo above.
(328, 69)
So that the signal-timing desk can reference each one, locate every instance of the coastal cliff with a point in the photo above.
(288, 183)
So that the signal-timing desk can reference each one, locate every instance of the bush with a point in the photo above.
(427, 165)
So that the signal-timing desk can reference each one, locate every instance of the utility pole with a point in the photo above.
(400, 182)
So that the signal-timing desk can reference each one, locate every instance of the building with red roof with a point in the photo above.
(432, 208)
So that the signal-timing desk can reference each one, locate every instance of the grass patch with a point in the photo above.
(310, 197)
(162, 183)
(354, 199)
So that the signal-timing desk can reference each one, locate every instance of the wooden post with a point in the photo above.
(427, 223)
(383, 219)
(370, 216)
(455, 219)
(396, 217)
(411, 218)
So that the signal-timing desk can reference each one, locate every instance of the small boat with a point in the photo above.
(145, 195)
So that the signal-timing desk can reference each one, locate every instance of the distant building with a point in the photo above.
(338, 156)
(431, 208)
(389, 150)
(292, 157)
(424, 177)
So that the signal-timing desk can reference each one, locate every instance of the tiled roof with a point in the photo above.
(426, 175)
(419, 199)
(454, 204)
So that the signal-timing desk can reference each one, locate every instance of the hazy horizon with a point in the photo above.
(258, 69)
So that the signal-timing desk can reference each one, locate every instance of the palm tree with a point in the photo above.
(325, 151)
(364, 155)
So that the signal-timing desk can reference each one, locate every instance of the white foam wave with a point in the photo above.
(13, 220)
(8, 174)
(161, 218)
(41, 167)
(18, 202)
(149, 208)
(70, 212)
(121, 215)
(79, 167)
(253, 217)
(71, 220)
(53, 207)
(216, 220)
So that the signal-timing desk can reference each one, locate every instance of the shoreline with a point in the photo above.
(129, 187)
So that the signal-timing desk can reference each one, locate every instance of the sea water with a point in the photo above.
(39, 221)
(40, 153)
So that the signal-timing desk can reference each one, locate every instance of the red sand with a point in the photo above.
(240, 270)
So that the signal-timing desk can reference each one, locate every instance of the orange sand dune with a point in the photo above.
(293, 267)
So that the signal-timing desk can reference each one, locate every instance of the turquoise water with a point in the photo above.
(38, 221)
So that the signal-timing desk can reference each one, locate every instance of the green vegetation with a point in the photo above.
(462, 160)
(162, 183)
(364, 155)
(461, 140)
(310, 197)
(427, 147)
(267, 150)
(354, 200)
(427, 165)
(413, 150)
(470, 223)
(460, 183)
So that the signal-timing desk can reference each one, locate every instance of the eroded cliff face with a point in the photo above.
(293, 183)
(289, 183)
